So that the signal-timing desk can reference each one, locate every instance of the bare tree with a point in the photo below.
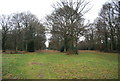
(106, 36)
(22, 31)
(17, 28)
(6, 25)
(67, 21)
(116, 7)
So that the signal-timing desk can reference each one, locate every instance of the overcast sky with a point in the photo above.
(43, 7)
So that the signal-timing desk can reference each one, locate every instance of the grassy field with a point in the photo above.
(86, 65)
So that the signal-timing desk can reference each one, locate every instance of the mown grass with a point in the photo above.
(86, 65)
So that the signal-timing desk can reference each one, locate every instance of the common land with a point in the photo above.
(56, 65)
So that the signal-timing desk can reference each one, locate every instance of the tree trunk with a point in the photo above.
(4, 43)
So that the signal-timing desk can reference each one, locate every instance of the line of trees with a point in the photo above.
(104, 33)
(67, 25)
(22, 32)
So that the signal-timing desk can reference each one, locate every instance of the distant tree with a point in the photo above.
(40, 37)
(106, 34)
(116, 9)
(89, 37)
(34, 31)
(6, 25)
(17, 31)
(56, 42)
(22, 31)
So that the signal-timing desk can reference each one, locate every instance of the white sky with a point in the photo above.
(43, 7)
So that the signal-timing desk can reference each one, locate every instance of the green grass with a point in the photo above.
(86, 65)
